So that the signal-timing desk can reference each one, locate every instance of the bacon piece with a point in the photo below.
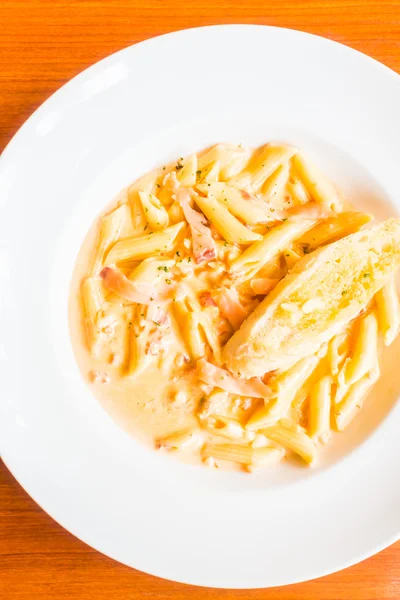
(202, 240)
(207, 300)
(221, 378)
(271, 213)
(157, 315)
(230, 306)
(142, 293)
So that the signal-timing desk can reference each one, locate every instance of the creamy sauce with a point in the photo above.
(143, 405)
(164, 398)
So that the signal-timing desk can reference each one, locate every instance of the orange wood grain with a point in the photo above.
(43, 43)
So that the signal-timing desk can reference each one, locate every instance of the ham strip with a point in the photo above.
(271, 214)
(142, 293)
(203, 242)
(221, 378)
(230, 306)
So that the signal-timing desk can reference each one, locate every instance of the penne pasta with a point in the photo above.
(272, 244)
(338, 351)
(146, 185)
(388, 306)
(262, 166)
(223, 153)
(274, 186)
(319, 187)
(234, 166)
(197, 323)
(334, 228)
(194, 337)
(110, 228)
(319, 411)
(224, 427)
(234, 201)
(152, 269)
(298, 191)
(291, 258)
(346, 409)
(293, 439)
(166, 191)
(144, 246)
(180, 440)
(226, 224)
(210, 174)
(92, 298)
(175, 213)
(137, 338)
(364, 355)
(286, 386)
(243, 455)
(187, 174)
(154, 212)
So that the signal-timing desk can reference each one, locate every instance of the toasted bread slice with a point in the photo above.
(325, 290)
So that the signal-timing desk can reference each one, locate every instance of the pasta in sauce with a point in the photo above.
(168, 275)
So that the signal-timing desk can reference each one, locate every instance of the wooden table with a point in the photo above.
(42, 45)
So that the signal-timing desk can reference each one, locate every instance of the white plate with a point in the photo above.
(141, 106)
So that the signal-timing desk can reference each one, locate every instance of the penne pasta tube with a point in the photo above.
(272, 244)
(364, 356)
(151, 269)
(293, 439)
(334, 228)
(210, 174)
(175, 213)
(154, 212)
(187, 174)
(137, 338)
(223, 153)
(338, 351)
(269, 161)
(298, 191)
(204, 322)
(144, 246)
(110, 229)
(226, 224)
(233, 200)
(235, 166)
(180, 440)
(262, 166)
(224, 427)
(319, 187)
(319, 411)
(193, 335)
(275, 185)
(291, 257)
(286, 386)
(146, 185)
(243, 455)
(346, 410)
(92, 299)
(388, 306)
(167, 190)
